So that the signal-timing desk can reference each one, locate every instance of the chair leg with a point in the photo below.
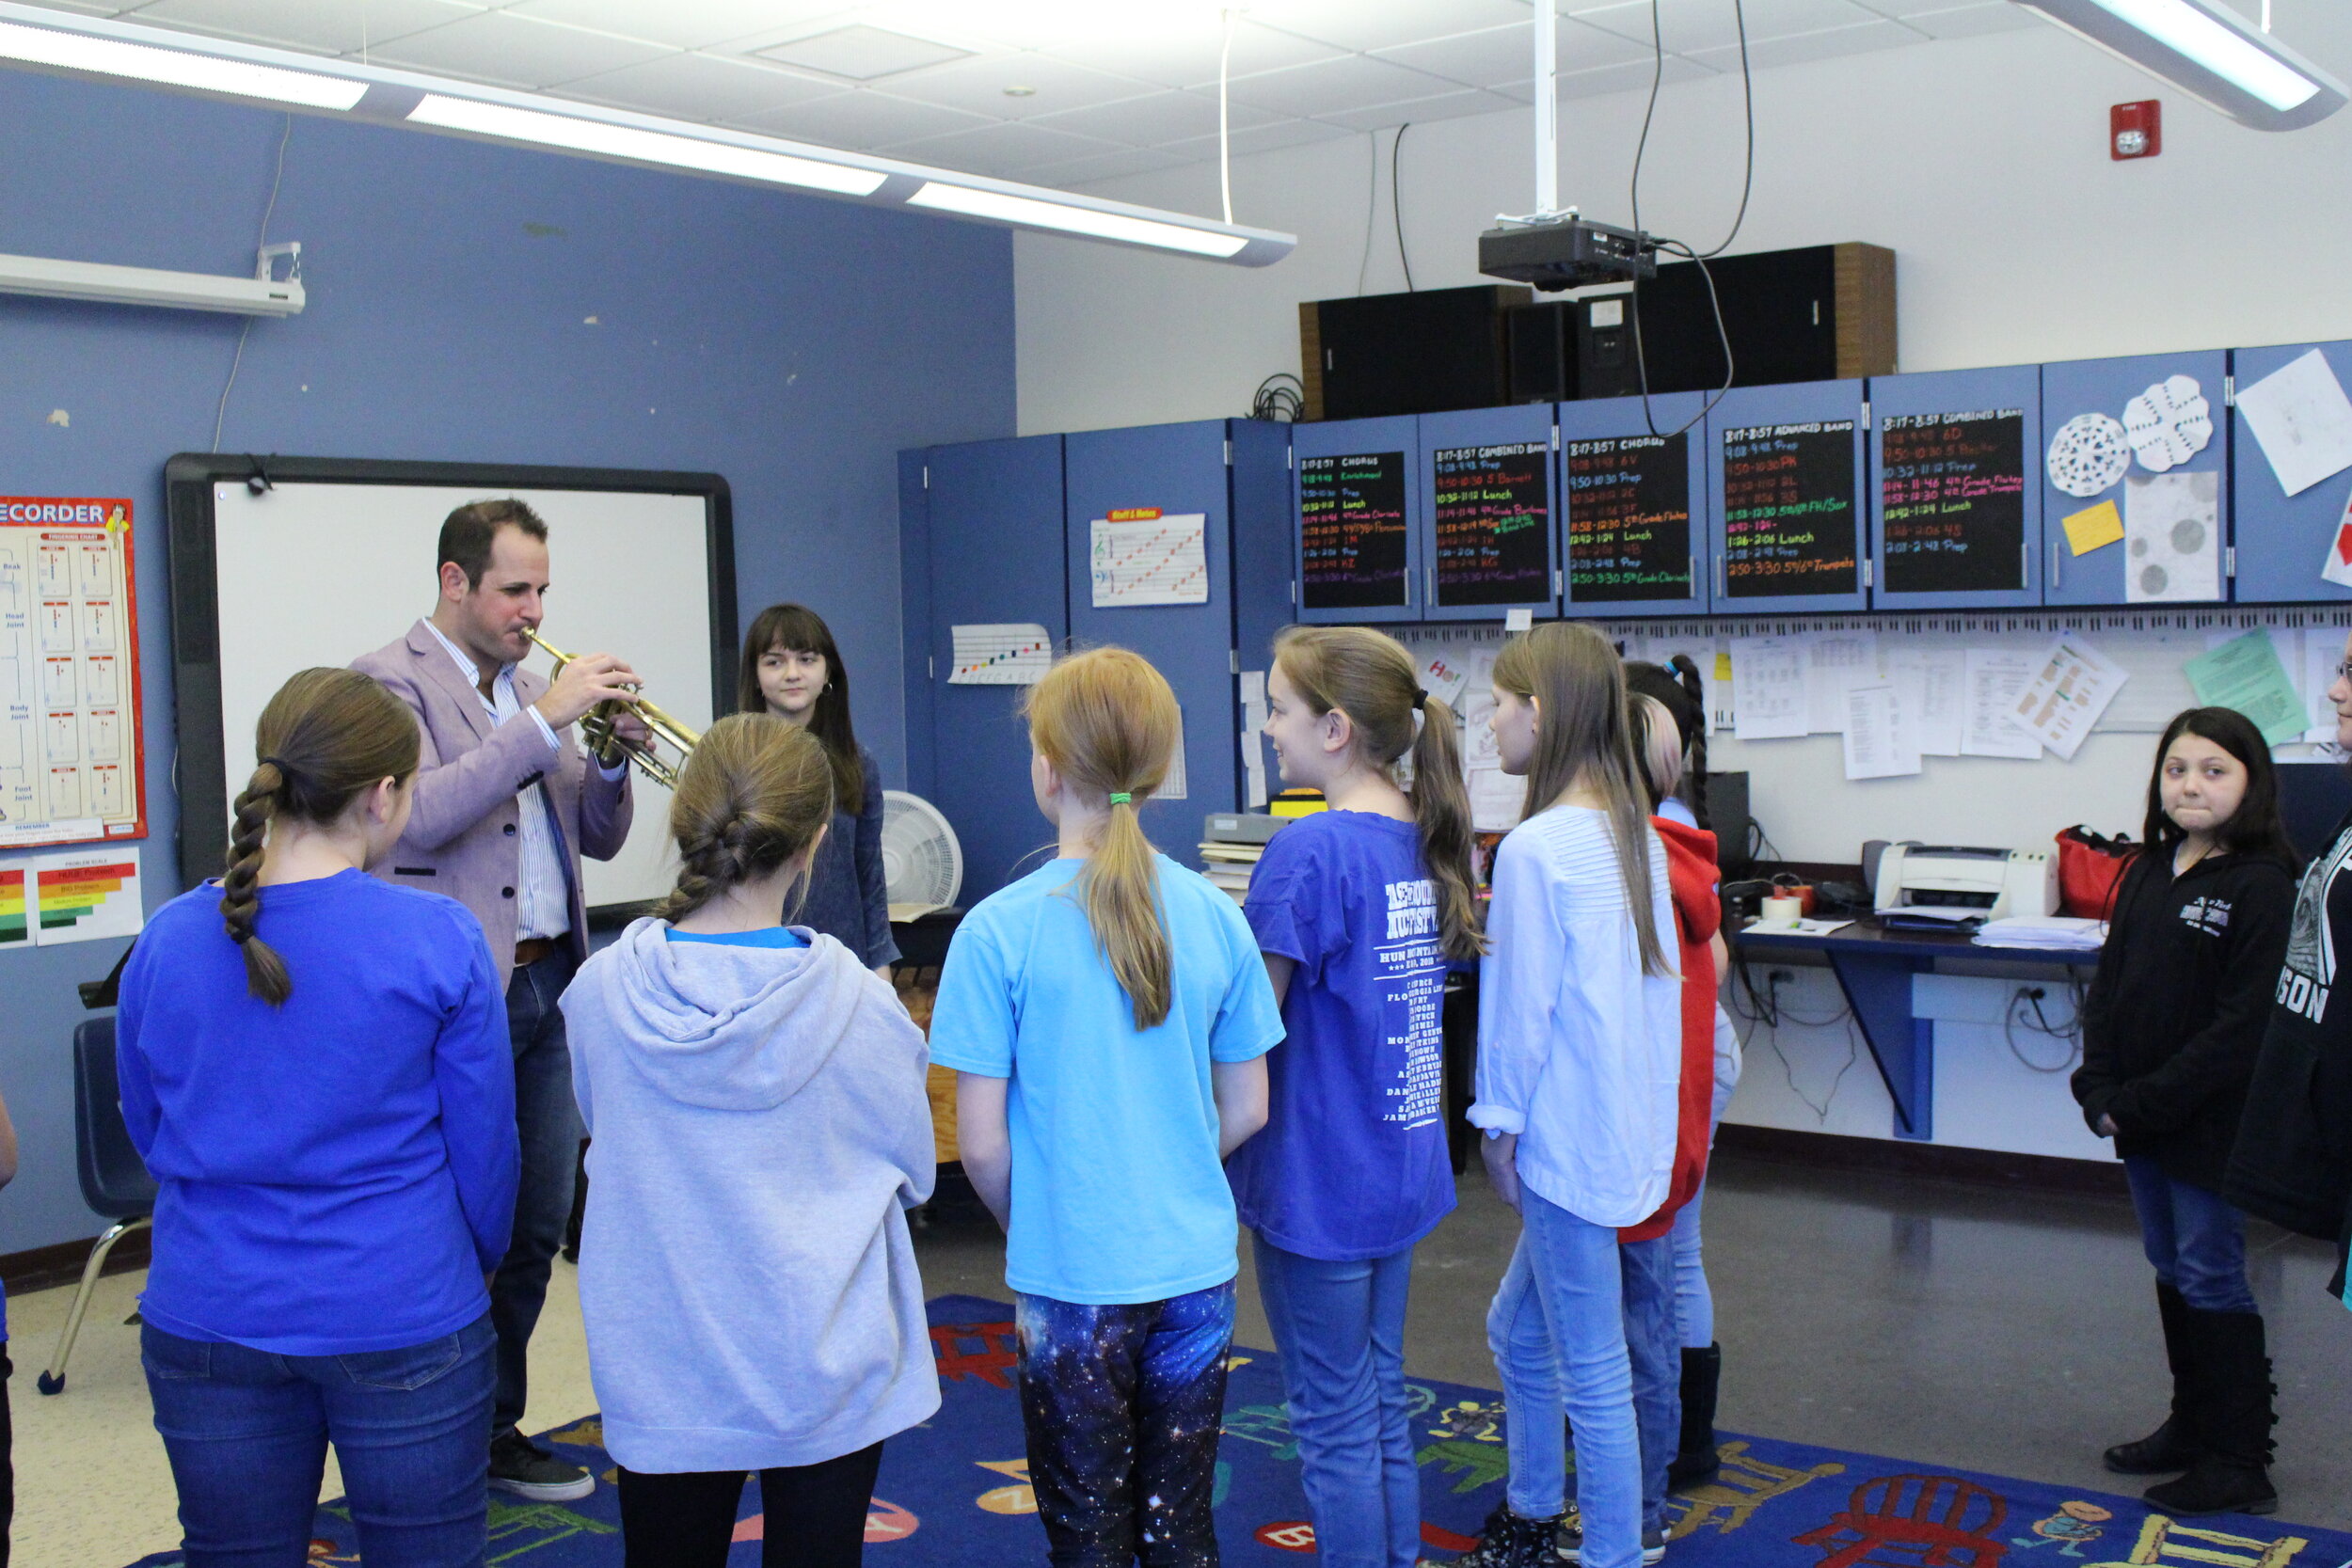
(52, 1380)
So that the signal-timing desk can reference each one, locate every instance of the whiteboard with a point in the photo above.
(320, 573)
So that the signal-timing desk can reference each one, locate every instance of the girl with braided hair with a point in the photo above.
(314, 1065)
(755, 1093)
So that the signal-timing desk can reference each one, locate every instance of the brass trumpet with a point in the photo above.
(597, 726)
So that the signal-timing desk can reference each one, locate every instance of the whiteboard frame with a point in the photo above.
(188, 480)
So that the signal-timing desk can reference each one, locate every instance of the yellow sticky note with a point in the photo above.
(1722, 667)
(2094, 526)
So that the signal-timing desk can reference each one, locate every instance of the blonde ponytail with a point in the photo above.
(1108, 723)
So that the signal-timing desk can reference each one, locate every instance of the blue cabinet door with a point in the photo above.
(1174, 474)
(1784, 496)
(2283, 540)
(1955, 494)
(1263, 564)
(996, 556)
(1487, 487)
(2077, 387)
(915, 625)
(1633, 506)
(1356, 518)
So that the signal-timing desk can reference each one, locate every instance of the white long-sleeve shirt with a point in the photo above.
(1579, 1053)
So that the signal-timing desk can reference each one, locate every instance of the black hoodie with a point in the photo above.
(2174, 1020)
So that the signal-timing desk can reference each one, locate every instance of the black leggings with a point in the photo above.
(814, 1514)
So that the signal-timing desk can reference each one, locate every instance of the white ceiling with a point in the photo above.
(1058, 92)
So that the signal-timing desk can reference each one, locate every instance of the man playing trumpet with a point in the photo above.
(506, 803)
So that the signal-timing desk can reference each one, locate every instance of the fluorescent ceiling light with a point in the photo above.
(2209, 51)
(176, 67)
(644, 147)
(1030, 211)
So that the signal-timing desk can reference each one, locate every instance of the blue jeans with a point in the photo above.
(1122, 1406)
(548, 1118)
(1341, 1330)
(246, 1432)
(1557, 1330)
(1653, 1346)
(2193, 1238)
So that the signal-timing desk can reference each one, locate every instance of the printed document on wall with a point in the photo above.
(2171, 537)
(70, 895)
(2071, 685)
(1495, 797)
(1834, 662)
(1997, 679)
(1015, 653)
(2299, 414)
(1880, 739)
(2244, 673)
(1141, 557)
(1768, 687)
(1932, 682)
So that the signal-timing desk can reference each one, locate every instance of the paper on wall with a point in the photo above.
(1880, 739)
(1768, 687)
(2169, 423)
(2072, 685)
(2299, 414)
(2093, 528)
(1147, 558)
(1445, 673)
(1931, 681)
(2245, 673)
(1016, 652)
(2323, 650)
(1835, 662)
(1995, 678)
(70, 895)
(1172, 786)
(2337, 568)
(2171, 537)
(1253, 717)
(1495, 797)
(2088, 454)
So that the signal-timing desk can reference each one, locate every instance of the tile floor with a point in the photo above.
(1990, 1330)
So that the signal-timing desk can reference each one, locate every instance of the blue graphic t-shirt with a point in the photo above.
(1352, 1162)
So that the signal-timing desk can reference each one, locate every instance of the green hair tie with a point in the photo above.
(1123, 798)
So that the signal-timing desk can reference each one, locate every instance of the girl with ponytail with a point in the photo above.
(1358, 910)
(755, 1098)
(1107, 1017)
(314, 1065)
(1580, 1041)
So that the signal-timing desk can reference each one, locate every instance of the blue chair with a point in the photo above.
(115, 1182)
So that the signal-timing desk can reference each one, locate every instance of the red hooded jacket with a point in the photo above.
(1698, 913)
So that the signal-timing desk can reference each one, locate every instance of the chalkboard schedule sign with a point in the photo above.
(1351, 531)
(1493, 518)
(1952, 501)
(1788, 511)
(1630, 517)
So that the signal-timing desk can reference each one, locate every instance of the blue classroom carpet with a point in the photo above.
(954, 1493)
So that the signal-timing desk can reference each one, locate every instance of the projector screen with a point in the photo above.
(334, 558)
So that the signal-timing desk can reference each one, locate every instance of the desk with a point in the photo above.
(1874, 967)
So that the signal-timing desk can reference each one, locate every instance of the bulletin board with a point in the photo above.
(70, 738)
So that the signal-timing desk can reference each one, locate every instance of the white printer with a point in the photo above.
(1951, 887)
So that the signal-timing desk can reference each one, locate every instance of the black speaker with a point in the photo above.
(1419, 353)
(1728, 816)
(1815, 313)
(1543, 354)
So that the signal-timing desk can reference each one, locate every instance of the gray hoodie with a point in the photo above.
(760, 1128)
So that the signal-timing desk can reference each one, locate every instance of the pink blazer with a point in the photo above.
(462, 836)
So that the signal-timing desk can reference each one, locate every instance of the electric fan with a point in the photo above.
(922, 863)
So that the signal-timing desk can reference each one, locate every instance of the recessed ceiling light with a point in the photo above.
(861, 53)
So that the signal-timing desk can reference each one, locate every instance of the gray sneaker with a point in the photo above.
(1570, 1543)
(519, 1466)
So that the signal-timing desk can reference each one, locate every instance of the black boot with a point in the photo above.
(2172, 1447)
(1702, 1378)
(2231, 1395)
(1507, 1541)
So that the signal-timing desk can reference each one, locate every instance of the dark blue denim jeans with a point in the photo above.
(2194, 1239)
(248, 1431)
(1653, 1345)
(548, 1118)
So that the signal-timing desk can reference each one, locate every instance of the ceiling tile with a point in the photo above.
(1162, 117)
(860, 117)
(1264, 138)
(1964, 22)
(699, 87)
(1452, 105)
(1330, 87)
(683, 24)
(1632, 77)
(1105, 166)
(1003, 147)
(88, 8)
(345, 29)
(1505, 54)
(1179, 55)
(1796, 50)
(858, 53)
(497, 47)
(1689, 27)
(1365, 25)
(977, 86)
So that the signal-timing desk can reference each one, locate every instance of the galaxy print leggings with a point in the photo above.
(1122, 1406)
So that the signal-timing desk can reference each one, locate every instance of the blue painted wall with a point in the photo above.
(793, 344)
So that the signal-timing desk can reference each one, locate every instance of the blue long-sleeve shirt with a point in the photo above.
(337, 1174)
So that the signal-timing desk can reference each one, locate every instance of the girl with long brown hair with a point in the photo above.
(760, 1128)
(1579, 1038)
(1107, 1017)
(1360, 910)
(314, 1065)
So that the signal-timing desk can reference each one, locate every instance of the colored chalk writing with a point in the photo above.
(1788, 511)
(1351, 531)
(1493, 518)
(1628, 501)
(1952, 501)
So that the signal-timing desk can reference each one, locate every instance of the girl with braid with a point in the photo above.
(314, 1065)
(755, 1097)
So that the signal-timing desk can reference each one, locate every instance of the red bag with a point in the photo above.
(2090, 868)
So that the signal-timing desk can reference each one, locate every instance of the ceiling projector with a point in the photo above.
(1564, 251)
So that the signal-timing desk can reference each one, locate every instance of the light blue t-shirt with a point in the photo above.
(1117, 1196)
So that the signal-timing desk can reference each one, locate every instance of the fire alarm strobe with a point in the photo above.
(2136, 130)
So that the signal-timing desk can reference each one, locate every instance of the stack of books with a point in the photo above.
(1229, 847)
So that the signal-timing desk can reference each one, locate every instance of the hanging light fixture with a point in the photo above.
(2208, 51)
